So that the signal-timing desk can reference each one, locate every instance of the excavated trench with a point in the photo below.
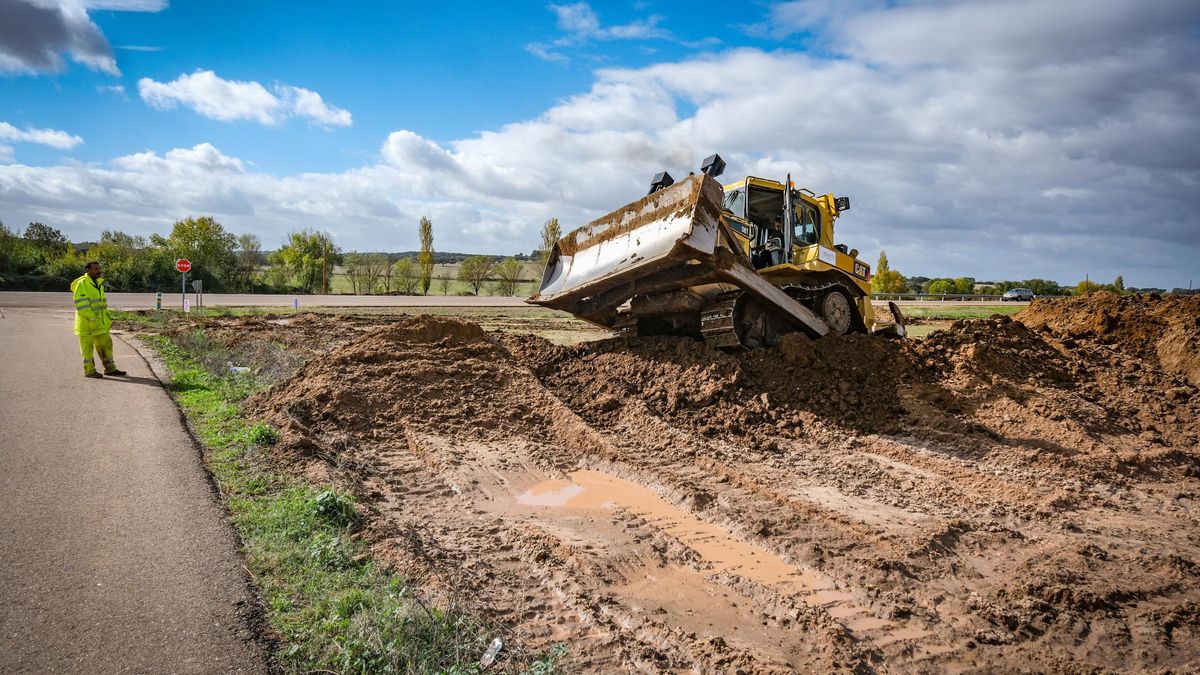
(1002, 495)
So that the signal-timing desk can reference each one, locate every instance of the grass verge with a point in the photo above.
(954, 313)
(333, 607)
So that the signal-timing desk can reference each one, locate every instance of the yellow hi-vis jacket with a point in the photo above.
(91, 306)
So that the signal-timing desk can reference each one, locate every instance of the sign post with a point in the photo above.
(183, 265)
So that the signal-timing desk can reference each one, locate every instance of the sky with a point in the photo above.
(999, 139)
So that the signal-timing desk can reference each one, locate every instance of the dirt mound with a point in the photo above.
(1002, 495)
(1165, 329)
(803, 387)
(417, 373)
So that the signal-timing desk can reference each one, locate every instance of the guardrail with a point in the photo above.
(947, 296)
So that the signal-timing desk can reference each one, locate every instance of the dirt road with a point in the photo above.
(116, 557)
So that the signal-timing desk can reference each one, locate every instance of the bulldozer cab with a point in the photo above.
(754, 208)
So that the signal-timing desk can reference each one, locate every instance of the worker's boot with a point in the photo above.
(94, 375)
(115, 372)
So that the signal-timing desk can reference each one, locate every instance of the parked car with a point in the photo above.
(1017, 294)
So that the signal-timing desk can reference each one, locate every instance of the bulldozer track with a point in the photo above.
(626, 325)
(716, 321)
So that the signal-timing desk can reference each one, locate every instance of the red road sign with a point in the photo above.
(183, 264)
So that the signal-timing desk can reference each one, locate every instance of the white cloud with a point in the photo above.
(307, 103)
(203, 158)
(6, 153)
(127, 5)
(1082, 162)
(35, 33)
(581, 25)
(212, 96)
(231, 100)
(51, 137)
(117, 90)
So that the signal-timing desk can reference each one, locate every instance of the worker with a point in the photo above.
(92, 321)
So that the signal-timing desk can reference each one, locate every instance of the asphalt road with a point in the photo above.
(174, 301)
(115, 555)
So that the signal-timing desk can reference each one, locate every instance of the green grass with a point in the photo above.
(954, 313)
(333, 607)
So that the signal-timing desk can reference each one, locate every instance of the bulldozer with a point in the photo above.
(738, 265)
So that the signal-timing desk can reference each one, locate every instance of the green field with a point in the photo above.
(531, 275)
(955, 313)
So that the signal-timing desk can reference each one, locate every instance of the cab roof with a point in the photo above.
(757, 182)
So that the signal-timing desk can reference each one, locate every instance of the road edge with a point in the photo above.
(254, 615)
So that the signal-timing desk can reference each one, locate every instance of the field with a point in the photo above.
(340, 283)
(1001, 495)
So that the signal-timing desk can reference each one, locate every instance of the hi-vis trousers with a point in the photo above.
(99, 343)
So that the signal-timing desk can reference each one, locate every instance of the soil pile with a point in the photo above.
(418, 373)
(1004, 494)
(1154, 328)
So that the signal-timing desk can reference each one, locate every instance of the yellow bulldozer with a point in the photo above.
(738, 266)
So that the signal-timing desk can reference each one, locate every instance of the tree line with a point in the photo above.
(41, 258)
(890, 281)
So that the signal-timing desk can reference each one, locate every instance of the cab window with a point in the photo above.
(766, 206)
(735, 201)
(808, 224)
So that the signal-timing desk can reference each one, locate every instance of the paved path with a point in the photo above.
(173, 301)
(114, 553)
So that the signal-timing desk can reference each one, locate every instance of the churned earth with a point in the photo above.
(1003, 495)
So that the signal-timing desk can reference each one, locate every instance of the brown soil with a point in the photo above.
(1004, 495)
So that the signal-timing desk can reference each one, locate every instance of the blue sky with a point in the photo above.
(995, 138)
(445, 70)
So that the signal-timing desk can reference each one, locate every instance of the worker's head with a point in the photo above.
(92, 269)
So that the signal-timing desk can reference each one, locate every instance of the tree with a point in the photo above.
(388, 275)
(474, 271)
(45, 237)
(127, 264)
(375, 266)
(246, 265)
(408, 276)
(17, 256)
(508, 274)
(354, 271)
(885, 279)
(207, 245)
(444, 284)
(425, 257)
(1118, 285)
(550, 236)
(942, 287)
(299, 263)
(1084, 287)
(964, 285)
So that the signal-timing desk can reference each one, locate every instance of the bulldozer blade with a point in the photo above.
(661, 232)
